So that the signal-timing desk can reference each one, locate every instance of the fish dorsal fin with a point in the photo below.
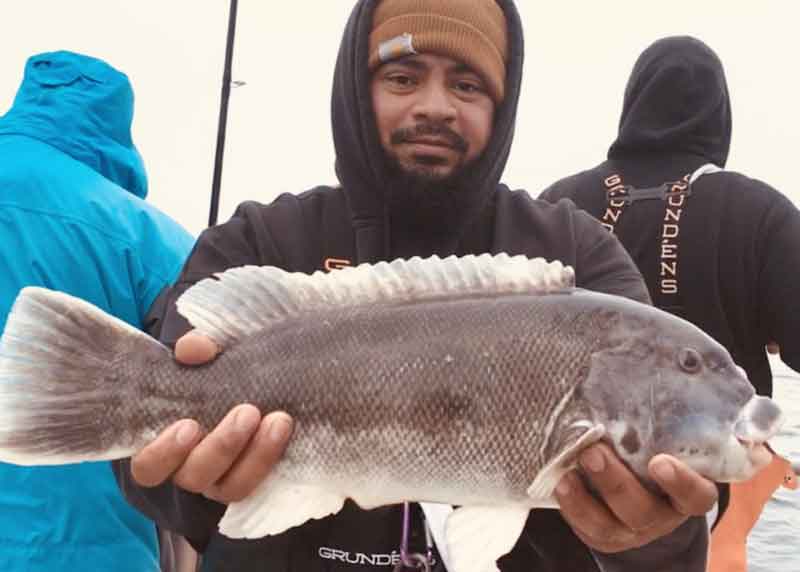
(244, 300)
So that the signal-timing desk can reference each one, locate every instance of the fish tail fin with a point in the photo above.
(63, 398)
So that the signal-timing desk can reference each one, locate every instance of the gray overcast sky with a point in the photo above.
(578, 57)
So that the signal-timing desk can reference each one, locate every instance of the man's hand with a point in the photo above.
(228, 463)
(631, 516)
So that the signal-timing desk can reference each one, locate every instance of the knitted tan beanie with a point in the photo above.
(471, 31)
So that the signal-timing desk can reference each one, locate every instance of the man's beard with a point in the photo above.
(422, 201)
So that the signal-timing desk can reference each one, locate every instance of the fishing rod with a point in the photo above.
(223, 115)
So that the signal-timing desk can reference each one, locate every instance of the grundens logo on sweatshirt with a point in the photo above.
(361, 558)
(675, 199)
(336, 264)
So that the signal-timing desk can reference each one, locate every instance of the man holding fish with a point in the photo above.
(424, 104)
(442, 114)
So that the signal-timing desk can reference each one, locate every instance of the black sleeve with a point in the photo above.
(235, 243)
(603, 264)
(155, 314)
(172, 508)
(779, 278)
(562, 189)
(552, 194)
(561, 231)
(684, 550)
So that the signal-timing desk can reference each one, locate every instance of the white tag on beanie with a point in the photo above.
(397, 47)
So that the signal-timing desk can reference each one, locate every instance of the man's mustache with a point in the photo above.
(431, 129)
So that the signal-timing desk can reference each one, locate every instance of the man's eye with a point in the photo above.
(400, 80)
(468, 87)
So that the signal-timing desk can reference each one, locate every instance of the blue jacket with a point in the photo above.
(72, 218)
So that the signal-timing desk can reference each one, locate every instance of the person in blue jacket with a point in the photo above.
(73, 218)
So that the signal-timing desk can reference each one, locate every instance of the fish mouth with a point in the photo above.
(731, 451)
(759, 421)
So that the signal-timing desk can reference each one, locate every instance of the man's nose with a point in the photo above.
(435, 103)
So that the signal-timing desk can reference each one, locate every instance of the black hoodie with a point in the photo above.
(328, 227)
(735, 260)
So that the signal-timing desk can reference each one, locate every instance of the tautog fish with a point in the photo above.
(469, 381)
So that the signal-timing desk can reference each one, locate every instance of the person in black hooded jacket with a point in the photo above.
(424, 104)
(721, 251)
(715, 247)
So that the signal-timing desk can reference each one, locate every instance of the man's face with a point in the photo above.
(434, 114)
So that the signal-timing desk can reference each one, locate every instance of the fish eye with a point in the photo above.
(689, 360)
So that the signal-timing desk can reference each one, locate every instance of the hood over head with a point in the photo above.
(361, 164)
(83, 107)
(677, 102)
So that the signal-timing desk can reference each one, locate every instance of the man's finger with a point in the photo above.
(194, 348)
(215, 454)
(157, 461)
(634, 506)
(690, 494)
(261, 454)
(591, 521)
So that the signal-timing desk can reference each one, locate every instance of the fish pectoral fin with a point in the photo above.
(275, 506)
(541, 490)
(478, 535)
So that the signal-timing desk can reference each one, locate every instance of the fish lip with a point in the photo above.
(759, 420)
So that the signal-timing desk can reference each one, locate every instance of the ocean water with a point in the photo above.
(774, 543)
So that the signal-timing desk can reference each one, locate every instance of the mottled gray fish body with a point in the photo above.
(472, 381)
(459, 396)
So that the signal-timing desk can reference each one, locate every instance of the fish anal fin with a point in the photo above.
(478, 535)
(276, 506)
